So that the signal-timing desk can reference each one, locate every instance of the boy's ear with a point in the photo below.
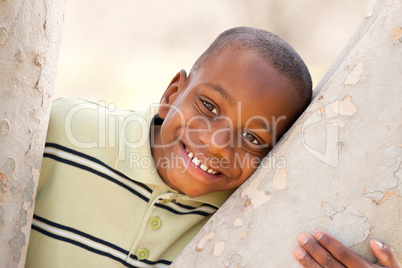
(175, 87)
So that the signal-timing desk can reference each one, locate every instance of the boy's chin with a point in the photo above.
(199, 192)
(191, 193)
(194, 192)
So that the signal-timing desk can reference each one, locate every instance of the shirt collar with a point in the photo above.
(135, 156)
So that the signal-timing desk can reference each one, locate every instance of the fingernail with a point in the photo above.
(378, 243)
(318, 234)
(302, 238)
(300, 253)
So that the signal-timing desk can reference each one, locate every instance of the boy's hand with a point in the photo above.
(322, 250)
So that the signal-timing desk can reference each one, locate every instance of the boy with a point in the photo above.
(138, 201)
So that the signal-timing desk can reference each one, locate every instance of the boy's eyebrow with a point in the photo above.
(260, 124)
(221, 91)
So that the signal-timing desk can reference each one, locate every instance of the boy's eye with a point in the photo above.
(210, 107)
(250, 138)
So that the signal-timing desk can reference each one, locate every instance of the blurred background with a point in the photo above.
(126, 51)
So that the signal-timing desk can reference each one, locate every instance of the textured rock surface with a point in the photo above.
(30, 35)
(342, 164)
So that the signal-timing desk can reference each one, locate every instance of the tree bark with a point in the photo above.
(30, 36)
(338, 168)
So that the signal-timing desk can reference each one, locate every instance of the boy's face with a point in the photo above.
(220, 121)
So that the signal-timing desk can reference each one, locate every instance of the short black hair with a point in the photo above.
(273, 49)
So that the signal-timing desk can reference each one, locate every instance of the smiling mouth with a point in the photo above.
(197, 162)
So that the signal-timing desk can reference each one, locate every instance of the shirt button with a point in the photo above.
(142, 254)
(155, 223)
(165, 201)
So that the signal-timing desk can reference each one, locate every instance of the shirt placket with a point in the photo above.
(147, 221)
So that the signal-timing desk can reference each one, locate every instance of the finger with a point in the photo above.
(316, 251)
(339, 251)
(304, 259)
(385, 254)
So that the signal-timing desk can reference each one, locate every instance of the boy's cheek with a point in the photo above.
(215, 163)
(256, 162)
(225, 163)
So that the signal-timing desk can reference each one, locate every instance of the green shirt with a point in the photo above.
(100, 201)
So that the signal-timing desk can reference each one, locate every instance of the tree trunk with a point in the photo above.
(338, 168)
(30, 36)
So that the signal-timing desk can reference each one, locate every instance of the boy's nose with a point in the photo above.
(219, 140)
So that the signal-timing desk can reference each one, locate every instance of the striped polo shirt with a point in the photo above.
(100, 201)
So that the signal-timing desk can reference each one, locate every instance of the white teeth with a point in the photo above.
(198, 163)
(205, 168)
